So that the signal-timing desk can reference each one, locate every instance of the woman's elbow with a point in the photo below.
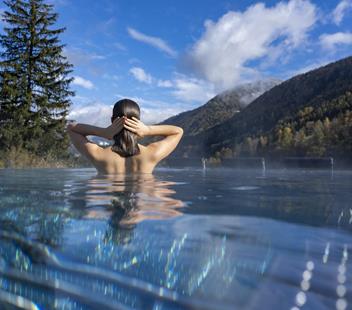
(179, 130)
(70, 126)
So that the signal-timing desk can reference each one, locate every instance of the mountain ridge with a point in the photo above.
(220, 107)
(283, 101)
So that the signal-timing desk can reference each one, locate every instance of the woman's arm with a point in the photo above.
(142, 130)
(160, 149)
(90, 130)
(86, 130)
(163, 130)
(78, 133)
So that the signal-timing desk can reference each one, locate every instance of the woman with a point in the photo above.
(125, 155)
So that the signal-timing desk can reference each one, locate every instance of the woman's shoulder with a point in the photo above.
(143, 149)
(143, 154)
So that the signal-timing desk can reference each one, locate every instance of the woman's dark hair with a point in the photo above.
(125, 141)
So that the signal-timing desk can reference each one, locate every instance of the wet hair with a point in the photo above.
(125, 142)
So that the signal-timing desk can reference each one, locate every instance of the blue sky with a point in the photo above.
(173, 56)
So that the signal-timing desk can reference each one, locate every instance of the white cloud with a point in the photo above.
(82, 82)
(140, 75)
(157, 115)
(330, 41)
(153, 41)
(222, 54)
(94, 113)
(184, 88)
(79, 56)
(164, 83)
(340, 11)
(192, 89)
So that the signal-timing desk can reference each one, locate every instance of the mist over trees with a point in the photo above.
(34, 83)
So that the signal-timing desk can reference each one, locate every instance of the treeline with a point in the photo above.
(320, 131)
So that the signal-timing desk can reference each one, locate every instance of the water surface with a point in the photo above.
(181, 239)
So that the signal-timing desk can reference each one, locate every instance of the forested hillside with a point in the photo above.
(307, 115)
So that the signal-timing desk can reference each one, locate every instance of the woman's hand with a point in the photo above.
(136, 126)
(114, 128)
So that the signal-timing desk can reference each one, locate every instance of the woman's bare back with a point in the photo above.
(113, 163)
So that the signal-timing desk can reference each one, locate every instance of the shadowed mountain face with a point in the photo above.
(220, 108)
(281, 103)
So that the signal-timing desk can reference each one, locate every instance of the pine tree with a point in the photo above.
(34, 83)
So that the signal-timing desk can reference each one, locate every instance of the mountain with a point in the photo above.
(220, 108)
(215, 111)
(293, 110)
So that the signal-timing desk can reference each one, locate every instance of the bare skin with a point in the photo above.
(108, 162)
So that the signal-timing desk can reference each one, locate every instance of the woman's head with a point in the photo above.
(125, 141)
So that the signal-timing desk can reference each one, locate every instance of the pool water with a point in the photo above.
(180, 239)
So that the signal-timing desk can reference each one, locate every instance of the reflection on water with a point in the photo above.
(130, 199)
(182, 239)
